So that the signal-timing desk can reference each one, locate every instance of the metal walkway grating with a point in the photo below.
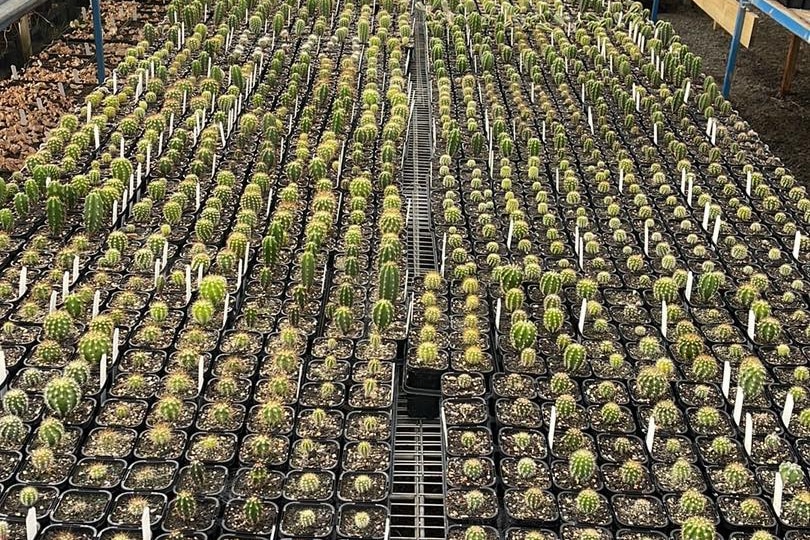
(417, 500)
(417, 157)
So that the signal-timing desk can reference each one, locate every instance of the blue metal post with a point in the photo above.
(735, 47)
(99, 40)
(654, 11)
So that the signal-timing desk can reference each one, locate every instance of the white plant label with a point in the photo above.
(96, 302)
(576, 238)
(199, 276)
(738, 405)
(581, 253)
(655, 134)
(52, 303)
(96, 136)
(686, 91)
(61, 88)
(197, 196)
(621, 180)
(115, 344)
(200, 373)
(188, 284)
(787, 410)
(509, 234)
(157, 273)
(498, 314)
(102, 372)
(582, 312)
(557, 178)
(3, 369)
(89, 112)
(726, 378)
(689, 279)
(716, 231)
(748, 183)
(778, 487)
(65, 285)
(752, 321)
(646, 239)
(115, 82)
(444, 251)
(748, 441)
(797, 243)
(23, 281)
(552, 426)
(664, 316)
(650, 439)
(146, 524)
(689, 183)
(225, 310)
(683, 180)
(31, 526)
(706, 211)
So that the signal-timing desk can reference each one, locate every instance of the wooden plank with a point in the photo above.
(790, 65)
(724, 13)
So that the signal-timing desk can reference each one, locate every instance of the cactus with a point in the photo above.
(93, 345)
(689, 346)
(473, 468)
(78, 370)
(309, 483)
(587, 502)
(697, 528)
(534, 498)
(752, 508)
(651, 383)
(12, 429)
(382, 314)
(62, 395)
(213, 288)
(798, 508)
(704, 368)
(254, 511)
(93, 211)
(475, 532)
(389, 281)
(523, 335)
(665, 289)
(186, 505)
(513, 299)
(50, 432)
(768, 329)
(308, 269)
(553, 319)
(28, 496)
(58, 325)
(526, 467)
(692, 503)
(550, 283)
(792, 474)
(574, 357)
(751, 377)
(581, 465)
(708, 285)
(55, 210)
(610, 413)
(15, 402)
(736, 476)
(631, 473)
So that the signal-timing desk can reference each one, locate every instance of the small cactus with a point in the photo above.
(475, 533)
(534, 498)
(692, 503)
(50, 432)
(587, 502)
(574, 357)
(186, 505)
(254, 511)
(752, 376)
(697, 528)
(15, 402)
(29, 495)
(58, 326)
(651, 383)
(62, 395)
(473, 468)
(581, 465)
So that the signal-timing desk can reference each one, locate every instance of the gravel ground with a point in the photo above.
(783, 123)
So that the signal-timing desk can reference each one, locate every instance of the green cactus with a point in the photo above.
(389, 282)
(704, 368)
(15, 402)
(651, 383)
(689, 346)
(708, 284)
(55, 211)
(343, 319)
(587, 502)
(534, 498)
(473, 468)
(574, 357)
(665, 289)
(610, 413)
(523, 335)
(697, 528)
(28, 497)
(186, 505)
(550, 283)
(692, 503)
(12, 429)
(751, 377)
(768, 330)
(581, 465)
(308, 269)
(93, 211)
(58, 326)
(62, 395)
(254, 511)
(213, 288)
(78, 370)
(553, 319)
(383, 314)
(50, 432)
(792, 474)
(93, 345)
(736, 476)
(475, 532)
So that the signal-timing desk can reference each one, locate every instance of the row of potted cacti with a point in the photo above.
(202, 335)
(573, 204)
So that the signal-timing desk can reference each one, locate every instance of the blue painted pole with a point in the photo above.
(99, 40)
(732, 52)
(654, 12)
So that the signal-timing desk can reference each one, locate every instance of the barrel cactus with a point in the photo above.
(62, 395)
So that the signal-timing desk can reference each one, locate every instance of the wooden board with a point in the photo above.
(724, 13)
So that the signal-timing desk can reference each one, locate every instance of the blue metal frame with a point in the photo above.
(654, 11)
(780, 14)
(99, 40)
